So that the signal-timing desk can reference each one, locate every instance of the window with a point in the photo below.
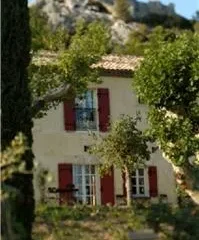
(139, 182)
(88, 111)
(84, 179)
(85, 109)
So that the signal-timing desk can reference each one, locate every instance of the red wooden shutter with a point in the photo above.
(69, 115)
(65, 179)
(103, 108)
(107, 188)
(153, 184)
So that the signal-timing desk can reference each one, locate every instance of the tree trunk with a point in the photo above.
(128, 187)
(187, 177)
(63, 92)
(16, 105)
(188, 180)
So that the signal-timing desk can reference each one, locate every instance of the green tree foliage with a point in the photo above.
(11, 164)
(196, 21)
(143, 38)
(167, 21)
(71, 68)
(124, 147)
(43, 177)
(196, 26)
(43, 36)
(170, 221)
(16, 105)
(136, 43)
(122, 10)
(11, 157)
(196, 16)
(168, 82)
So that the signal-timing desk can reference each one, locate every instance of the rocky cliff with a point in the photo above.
(67, 12)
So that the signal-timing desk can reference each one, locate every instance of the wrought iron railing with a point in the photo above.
(86, 119)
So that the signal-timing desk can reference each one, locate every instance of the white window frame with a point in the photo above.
(92, 180)
(96, 113)
(146, 183)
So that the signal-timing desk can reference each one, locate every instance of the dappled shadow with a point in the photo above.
(173, 222)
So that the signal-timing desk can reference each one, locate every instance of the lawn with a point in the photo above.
(81, 222)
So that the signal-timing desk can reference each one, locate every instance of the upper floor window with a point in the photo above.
(88, 111)
(85, 109)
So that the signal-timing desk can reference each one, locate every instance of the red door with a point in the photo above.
(107, 189)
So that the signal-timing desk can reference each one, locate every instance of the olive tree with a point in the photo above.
(124, 147)
(168, 82)
(69, 71)
(11, 164)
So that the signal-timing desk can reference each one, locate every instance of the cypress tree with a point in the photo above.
(16, 102)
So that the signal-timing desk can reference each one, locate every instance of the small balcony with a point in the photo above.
(86, 119)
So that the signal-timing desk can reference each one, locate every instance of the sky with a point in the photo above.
(186, 8)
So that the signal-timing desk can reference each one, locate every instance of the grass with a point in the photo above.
(115, 223)
(84, 222)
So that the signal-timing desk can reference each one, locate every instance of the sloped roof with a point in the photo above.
(116, 62)
(107, 62)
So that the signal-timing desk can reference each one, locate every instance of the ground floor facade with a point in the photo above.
(78, 173)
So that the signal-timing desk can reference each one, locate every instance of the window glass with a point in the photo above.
(141, 172)
(134, 181)
(138, 182)
(84, 180)
(141, 190)
(87, 179)
(79, 180)
(92, 169)
(85, 106)
(77, 170)
(134, 190)
(80, 192)
(133, 173)
(141, 181)
(87, 168)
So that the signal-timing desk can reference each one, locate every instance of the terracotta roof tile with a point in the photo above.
(116, 62)
(108, 62)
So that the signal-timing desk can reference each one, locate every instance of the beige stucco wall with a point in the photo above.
(53, 145)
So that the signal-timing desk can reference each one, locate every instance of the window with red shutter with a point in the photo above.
(153, 184)
(69, 115)
(80, 113)
(103, 108)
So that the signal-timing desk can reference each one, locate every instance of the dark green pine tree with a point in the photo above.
(16, 102)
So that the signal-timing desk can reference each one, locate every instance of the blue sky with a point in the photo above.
(186, 8)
